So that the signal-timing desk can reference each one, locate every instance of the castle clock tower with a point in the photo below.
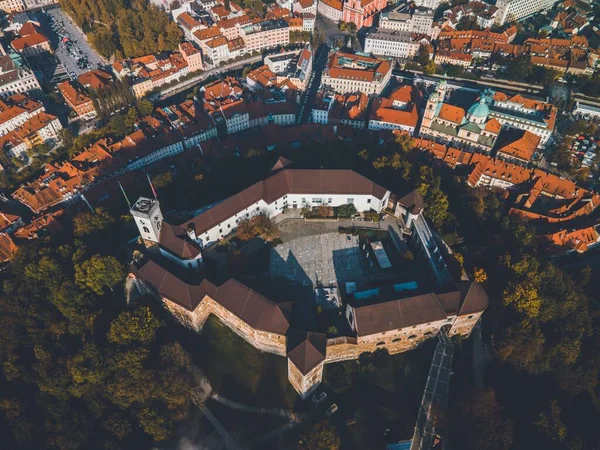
(148, 218)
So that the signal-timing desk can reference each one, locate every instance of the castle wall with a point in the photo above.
(262, 340)
(463, 325)
(305, 384)
(338, 349)
(396, 341)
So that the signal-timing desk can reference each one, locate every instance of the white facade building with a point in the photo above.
(346, 73)
(284, 188)
(512, 10)
(16, 77)
(330, 9)
(170, 149)
(431, 4)
(397, 44)
(401, 18)
(273, 207)
(16, 114)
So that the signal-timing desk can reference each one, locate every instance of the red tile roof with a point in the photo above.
(451, 113)
(521, 148)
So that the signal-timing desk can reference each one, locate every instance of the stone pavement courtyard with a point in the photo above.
(323, 258)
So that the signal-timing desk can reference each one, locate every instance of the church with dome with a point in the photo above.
(473, 129)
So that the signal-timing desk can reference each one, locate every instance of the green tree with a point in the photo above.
(155, 424)
(102, 41)
(139, 325)
(430, 68)
(321, 436)
(423, 56)
(478, 422)
(99, 273)
(346, 211)
(519, 69)
(87, 223)
(404, 141)
(144, 107)
(550, 423)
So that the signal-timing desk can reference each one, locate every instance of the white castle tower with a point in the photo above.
(148, 218)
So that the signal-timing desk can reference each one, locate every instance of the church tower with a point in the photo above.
(436, 97)
(148, 218)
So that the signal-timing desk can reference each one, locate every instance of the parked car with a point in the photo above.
(331, 410)
(319, 398)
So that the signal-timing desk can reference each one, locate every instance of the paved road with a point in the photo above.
(229, 441)
(187, 84)
(479, 357)
(308, 98)
(75, 35)
(473, 85)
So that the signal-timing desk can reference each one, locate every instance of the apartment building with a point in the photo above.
(330, 9)
(346, 72)
(295, 66)
(404, 18)
(523, 113)
(16, 110)
(151, 71)
(77, 100)
(11, 6)
(16, 77)
(513, 10)
(270, 33)
(399, 111)
(31, 41)
(397, 44)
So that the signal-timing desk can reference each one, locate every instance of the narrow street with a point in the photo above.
(308, 98)
(187, 84)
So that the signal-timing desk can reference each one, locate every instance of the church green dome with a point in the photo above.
(479, 110)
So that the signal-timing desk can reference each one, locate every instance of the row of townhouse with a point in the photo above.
(224, 34)
(149, 72)
(16, 76)
(24, 123)
(398, 111)
(167, 133)
(13, 6)
(543, 198)
(462, 48)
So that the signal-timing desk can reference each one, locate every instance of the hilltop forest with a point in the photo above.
(124, 28)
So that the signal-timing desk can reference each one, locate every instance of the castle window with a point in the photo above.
(470, 317)
(380, 343)
(412, 337)
(427, 333)
(396, 340)
(146, 230)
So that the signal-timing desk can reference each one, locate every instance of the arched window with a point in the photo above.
(396, 340)
(380, 343)
(427, 333)
(146, 230)
(412, 337)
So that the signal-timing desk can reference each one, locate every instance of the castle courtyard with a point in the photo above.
(326, 258)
